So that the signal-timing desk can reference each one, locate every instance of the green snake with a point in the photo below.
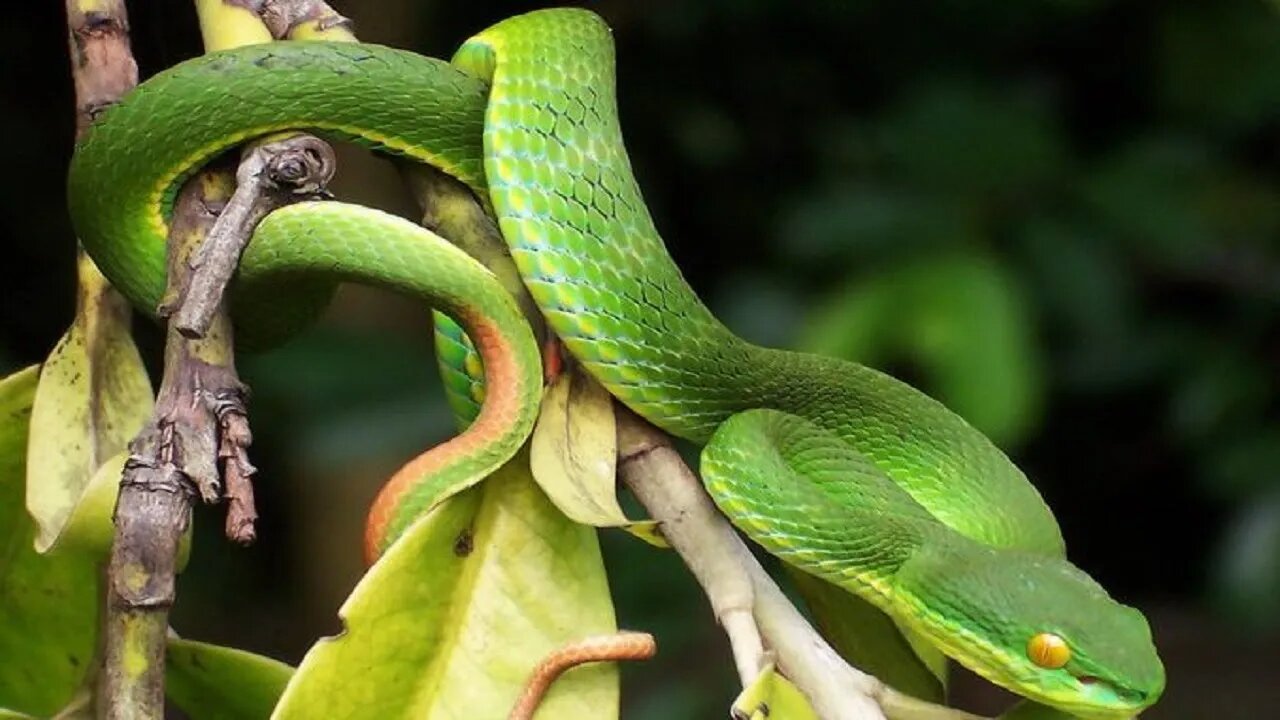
(844, 472)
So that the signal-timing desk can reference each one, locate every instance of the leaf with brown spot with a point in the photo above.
(48, 603)
(435, 633)
(93, 397)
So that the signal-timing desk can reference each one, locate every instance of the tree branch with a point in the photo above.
(102, 65)
(199, 422)
(271, 175)
(694, 528)
(172, 456)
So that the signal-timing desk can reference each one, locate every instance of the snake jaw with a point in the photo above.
(1122, 702)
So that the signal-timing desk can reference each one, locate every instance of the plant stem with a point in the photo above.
(102, 65)
(102, 71)
(199, 421)
(176, 449)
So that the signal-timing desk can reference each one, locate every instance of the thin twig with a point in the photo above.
(265, 180)
(271, 175)
(302, 19)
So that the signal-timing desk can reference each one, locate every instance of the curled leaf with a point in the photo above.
(574, 450)
(574, 453)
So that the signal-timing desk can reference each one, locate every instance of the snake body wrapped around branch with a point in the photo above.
(846, 473)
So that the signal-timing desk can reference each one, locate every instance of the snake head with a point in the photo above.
(1034, 624)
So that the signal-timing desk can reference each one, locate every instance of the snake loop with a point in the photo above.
(845, 472)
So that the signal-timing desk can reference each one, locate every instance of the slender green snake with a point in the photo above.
(843, 471)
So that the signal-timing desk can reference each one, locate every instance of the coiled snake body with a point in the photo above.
(842, 471)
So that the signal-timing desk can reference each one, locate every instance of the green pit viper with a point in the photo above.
(842, 471)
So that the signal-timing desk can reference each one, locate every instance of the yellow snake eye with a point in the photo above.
(1048, 650)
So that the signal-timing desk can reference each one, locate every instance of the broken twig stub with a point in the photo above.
(271, 175)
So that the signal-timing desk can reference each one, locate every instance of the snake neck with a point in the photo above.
(582, 238)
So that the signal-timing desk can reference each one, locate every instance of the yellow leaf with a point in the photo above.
(574, 454)
(452, 620)
(574, 450)
(771, 697)
(94, 396)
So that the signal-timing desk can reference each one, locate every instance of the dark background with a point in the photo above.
(1058, 216)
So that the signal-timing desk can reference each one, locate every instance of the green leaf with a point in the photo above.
(48, 603)
(210, 682)
(771, 697)
(573, 455)
(90, 530)
(450, 622)
(94, 396)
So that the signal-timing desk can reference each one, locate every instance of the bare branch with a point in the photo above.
(694, 527)
(174, 454)
(271, 175)
(199, 420)
(102, 65)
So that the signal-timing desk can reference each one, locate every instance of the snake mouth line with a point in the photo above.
(1109, 694)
